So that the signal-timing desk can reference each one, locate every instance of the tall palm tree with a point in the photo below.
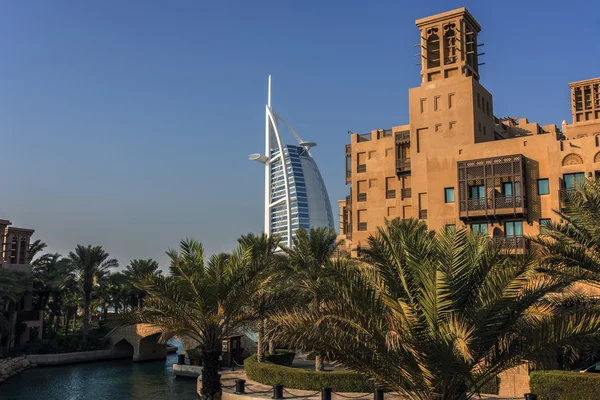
(306, 270)
(205, 300)
(136, 269)
(271, 296)
(50, 274)
(573, 247)
(437, 316)
(89, 263)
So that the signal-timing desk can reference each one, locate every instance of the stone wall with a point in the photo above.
(12, 366)
(69, 358)
(514, 382)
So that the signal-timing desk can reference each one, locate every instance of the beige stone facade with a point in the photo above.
(26, 323)
(455, 163)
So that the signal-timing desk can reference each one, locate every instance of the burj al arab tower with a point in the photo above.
(295, 194)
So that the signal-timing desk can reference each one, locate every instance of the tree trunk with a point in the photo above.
(105, 317)
(211, 379)
(74, 318)
(260, 338)
(55, 318)
(86, 314)
(271, 347)
(318, 363)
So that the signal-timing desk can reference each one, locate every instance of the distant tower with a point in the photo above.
(295, 196)
(449, 45)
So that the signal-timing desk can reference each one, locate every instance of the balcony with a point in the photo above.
(403, 137)
(361, 168)
(348, 201)
(24, 316)
(492, 187)
(365, 137)
(361, 197)
(406, 193)
(422, 214)
(362, 226)
(402, 165)
(390, 194)
(566, 195)
(512, 244)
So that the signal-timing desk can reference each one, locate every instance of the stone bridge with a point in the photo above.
(141, 342)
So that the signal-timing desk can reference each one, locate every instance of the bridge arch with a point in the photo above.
(123, 349)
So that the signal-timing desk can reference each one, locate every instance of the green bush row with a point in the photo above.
(564, 385)
(268, 373)
(66, 344)
(281, 357)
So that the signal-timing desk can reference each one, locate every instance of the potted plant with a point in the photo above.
(194, 356)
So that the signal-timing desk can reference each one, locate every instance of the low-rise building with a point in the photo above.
(455, 162)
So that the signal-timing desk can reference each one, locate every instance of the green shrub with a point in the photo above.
(295, 378)
(281, 357)
(564, 385)
(66, 344)
(194, 353)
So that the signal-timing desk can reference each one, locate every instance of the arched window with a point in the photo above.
(597, 157)
(433, 48)
(449, 44)
(572, 159)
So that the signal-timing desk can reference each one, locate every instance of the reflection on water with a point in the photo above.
(108, 380)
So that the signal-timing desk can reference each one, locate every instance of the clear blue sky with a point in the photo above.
(127, 124)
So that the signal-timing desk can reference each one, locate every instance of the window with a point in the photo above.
(507, 189)
(481, 228)
(422, 105)
(544, 224)
(438, 127)
(372, 183)
(372, 154)
(449, 195)
(450, 100)
(572, 180)
(452, 124)
(391, 211)
(436, 103)
(543, 186)
(478, 101)
(513, 228)
(477, 192)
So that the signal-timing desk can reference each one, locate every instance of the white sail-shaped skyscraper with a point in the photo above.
(295, 194)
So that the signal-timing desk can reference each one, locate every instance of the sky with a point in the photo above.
(127, 124)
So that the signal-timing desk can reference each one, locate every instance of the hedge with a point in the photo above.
(268, 373)
(564, 385)
(281, 357)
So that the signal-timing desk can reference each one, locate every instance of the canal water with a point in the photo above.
(104, 380)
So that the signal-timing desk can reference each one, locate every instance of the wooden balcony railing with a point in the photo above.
(423, 214)
(402, 165)
(361, 197)
(361, 168)
(362, 226)
(510, 243)
(405, 193)
(390, 194)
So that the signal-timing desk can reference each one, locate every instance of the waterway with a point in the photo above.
(105, 380)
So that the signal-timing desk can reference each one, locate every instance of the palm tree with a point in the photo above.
(35, 248)
(312, 251)
(271, 296)
(204, 300)
(111, 291)
(12, 286)
(573, 247)
(50, 273)
(89, 263)
(437, 316)
(136, 269)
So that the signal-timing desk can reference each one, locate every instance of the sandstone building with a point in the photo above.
(455, 163)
